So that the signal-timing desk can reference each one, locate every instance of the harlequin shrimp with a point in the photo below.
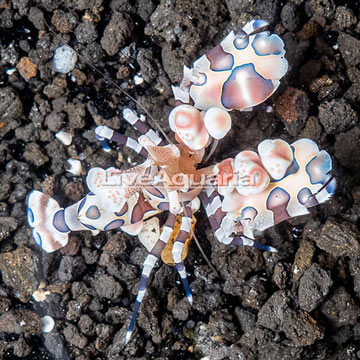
(255, 191)
(241, 196)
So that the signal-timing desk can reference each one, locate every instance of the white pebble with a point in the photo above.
(64, 137)
(10, 71)
(40, 295)
(48, 323)
(138, 80)
(64, 59)
(75, 167)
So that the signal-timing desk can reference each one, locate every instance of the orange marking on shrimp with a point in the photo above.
(226, 172)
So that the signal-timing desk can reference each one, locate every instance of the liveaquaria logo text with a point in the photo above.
(117, 180)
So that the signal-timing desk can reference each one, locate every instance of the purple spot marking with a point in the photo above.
(30, 216)
(258, 24)
(38, 239)
(92, 212)
(318, 168)
(277, 202)
(90, 227)
(219, 59)
(305, 197)
(245, 81)
(59, 222)
(163, 206)
(123, 210)
(248, 213)
(331, 186)
(241, 42)
(264, 45)
(114, 224)
(81, 204)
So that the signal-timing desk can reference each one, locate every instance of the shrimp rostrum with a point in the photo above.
(241, 195)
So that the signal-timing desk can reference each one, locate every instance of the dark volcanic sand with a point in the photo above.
(302, 303)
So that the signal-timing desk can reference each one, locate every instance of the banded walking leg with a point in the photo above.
(149, 263)
(132, 118)
(185, 229)
(104, 133)
(195, 76)
(222, 225)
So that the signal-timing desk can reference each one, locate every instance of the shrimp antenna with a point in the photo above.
(113, 83)
(204, 255)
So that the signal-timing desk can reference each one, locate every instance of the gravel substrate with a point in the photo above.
(301, 303)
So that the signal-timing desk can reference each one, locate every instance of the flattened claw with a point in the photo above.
(47, 219)
(241, 72)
